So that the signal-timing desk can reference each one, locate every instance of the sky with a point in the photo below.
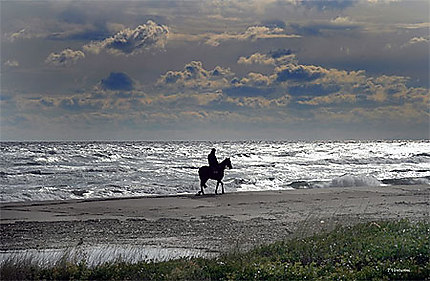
(214, 70)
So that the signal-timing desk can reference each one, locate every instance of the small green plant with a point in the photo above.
(369, 251)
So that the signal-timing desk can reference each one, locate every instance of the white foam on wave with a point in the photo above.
(73, 170)
(351, 181)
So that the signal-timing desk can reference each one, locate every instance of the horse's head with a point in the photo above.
(228, 163)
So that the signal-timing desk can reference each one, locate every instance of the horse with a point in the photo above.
(207, 172)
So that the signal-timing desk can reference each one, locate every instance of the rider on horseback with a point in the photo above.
(213, 162)
(214, 171)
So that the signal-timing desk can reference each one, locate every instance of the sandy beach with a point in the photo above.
(208, 223)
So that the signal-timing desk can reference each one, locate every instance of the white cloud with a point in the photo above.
(299, 72)
(256, 58)
(258, 102)
(268, 59)
(342, 20)
(34, 28)
(416, 40)
(195, 76)
(11, 63)
(66, 57)
(132, 41)
(336, 98)
(256, 79)
(21, 34)
(252, 33)
(414, 25)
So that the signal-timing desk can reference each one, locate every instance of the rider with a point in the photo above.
(213, 162)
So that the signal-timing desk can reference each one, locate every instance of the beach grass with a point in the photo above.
(384, 250)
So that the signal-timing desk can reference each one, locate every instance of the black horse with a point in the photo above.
(206, 173)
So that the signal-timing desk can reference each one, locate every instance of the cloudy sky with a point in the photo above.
(263, 69)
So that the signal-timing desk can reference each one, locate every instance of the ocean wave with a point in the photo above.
(407, 181)
(360, 181)
(349, 181)
(89, 169)
(185, 167)
(422, 155)
(299, 184)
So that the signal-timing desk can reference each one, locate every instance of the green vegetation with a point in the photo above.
(380, 251)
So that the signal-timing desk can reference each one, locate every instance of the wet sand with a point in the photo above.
(233, 221)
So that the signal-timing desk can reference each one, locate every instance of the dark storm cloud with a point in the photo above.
(70, 104)
(194, 83)
(324, 5)
(73, 15)
(46, 102)
(98, 24)
(4, 97)
(305, 29)
(86, 34)
(273, 23)
(62, 21)
(60, 32)
(318, 28)
(247, 91)
(117, 81)
(280, 53)
(313, 89)
(298, 72)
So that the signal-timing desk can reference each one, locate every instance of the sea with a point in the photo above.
(39, 171)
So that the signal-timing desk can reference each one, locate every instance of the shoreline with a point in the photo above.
(209, 223)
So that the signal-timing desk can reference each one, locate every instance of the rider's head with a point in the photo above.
(213, 150)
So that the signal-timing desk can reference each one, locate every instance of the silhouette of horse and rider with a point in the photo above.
(214, 171)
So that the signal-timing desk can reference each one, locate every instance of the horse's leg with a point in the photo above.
(216, 189)
(202, 185)
(222, 186)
